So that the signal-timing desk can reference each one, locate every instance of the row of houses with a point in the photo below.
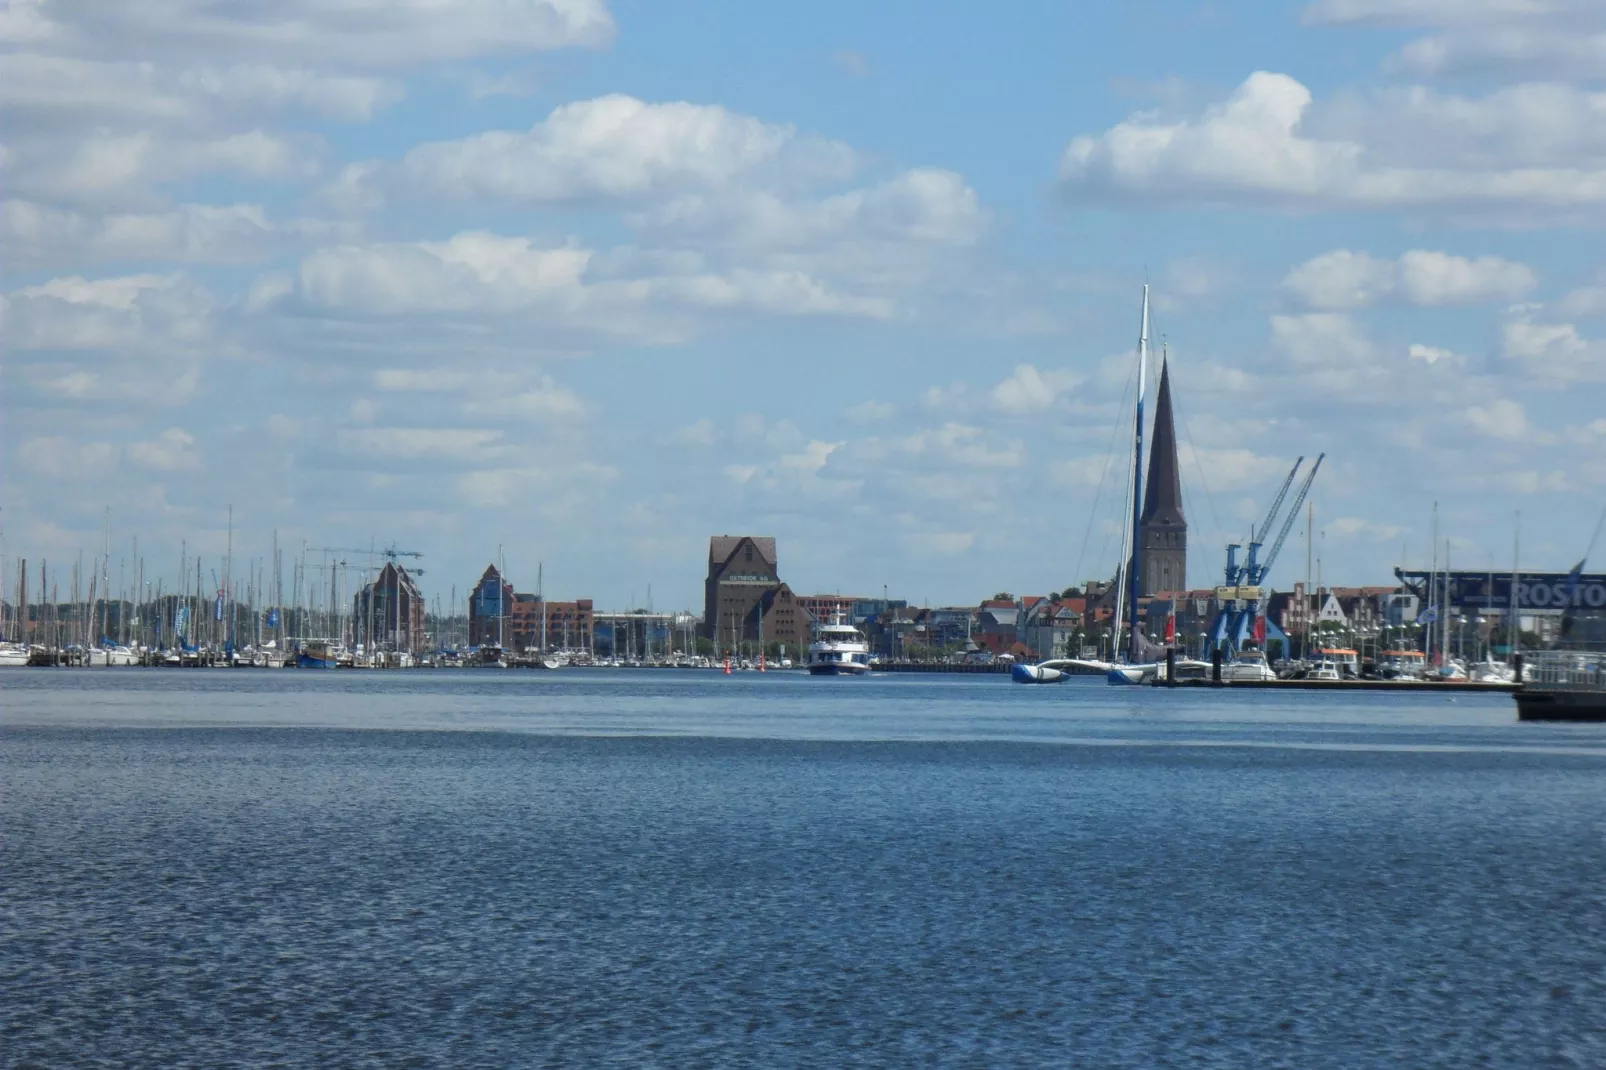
(1077, 622)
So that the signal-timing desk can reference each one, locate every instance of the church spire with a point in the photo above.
(1162, 497)
(1162, 527)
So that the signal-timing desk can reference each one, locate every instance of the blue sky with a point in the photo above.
(591, 281)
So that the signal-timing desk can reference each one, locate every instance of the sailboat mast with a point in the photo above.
(1134, 572)
(228, 587)
(1513, 629)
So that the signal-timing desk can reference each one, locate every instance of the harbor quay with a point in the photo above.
(312, 614)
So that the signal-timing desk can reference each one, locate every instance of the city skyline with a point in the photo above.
(592, 282)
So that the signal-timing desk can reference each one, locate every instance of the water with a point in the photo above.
(683, 869)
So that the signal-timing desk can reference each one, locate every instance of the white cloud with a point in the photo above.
(1195, 277)
(871, 412)
(109, 105)
(963, 446)
(1532, 481)
(425, 380)
(61, 458)
(1586, 434)
(1343, 279)
(1322, 339)
(1028, 390)
(36, 87)
(546, 401)
(471, 445)
(756, 196)
(1354, 527)
(701, 433)
(469, 272)
(171, 451)
(1433, 355)
(922, 210)
(1254, 151)
(620, 148)
(1587, 300)
(795, 472)
(1502, 418)
(1515, 38)
(309, 31)
(43, 236)
(1246, 146)
(480, 273)
(501, 488)
(110, 170)
(1234, 469)
(1080, 473)
(122, 313)
(1552, 353)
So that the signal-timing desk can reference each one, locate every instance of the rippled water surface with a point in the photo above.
(683, 869)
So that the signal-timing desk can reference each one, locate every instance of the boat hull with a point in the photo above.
(1036, 674)
(310, 661)
(839, 669)
(1122, 675)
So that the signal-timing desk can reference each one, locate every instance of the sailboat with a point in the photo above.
(1141, 661)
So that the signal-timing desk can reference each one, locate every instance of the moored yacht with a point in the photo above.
(320, 654)
(838, 650)
(1248, 667)
(111, 656)
(1402, 665)
(489, 655)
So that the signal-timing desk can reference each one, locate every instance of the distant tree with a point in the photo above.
(705, 648)
(1003, 596)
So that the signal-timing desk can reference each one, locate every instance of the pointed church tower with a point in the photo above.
(1162, 529)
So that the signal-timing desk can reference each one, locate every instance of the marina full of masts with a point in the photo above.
(321, 609)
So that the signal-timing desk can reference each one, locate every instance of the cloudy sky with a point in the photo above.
(591, 281)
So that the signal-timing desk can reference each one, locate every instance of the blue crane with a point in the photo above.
(1240, 574)
(1240, 616)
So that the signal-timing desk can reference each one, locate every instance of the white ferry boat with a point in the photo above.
(838, 650)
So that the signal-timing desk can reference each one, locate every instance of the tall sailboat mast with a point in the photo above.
(1135, 570)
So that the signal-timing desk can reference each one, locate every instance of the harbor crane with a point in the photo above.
(372, 629)
(1241, 617)
(389, 553)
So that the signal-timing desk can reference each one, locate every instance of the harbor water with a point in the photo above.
(659, 868)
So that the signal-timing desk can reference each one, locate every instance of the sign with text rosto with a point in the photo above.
(1553, 591)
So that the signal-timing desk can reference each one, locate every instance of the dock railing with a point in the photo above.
(1565, 670)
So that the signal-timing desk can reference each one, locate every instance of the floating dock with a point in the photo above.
(1564, 685)
(1458, 687)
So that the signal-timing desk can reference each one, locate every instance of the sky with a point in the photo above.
(577, 284)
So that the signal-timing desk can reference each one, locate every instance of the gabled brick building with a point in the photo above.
(744, 599)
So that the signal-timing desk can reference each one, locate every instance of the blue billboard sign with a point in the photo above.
(1536, 591)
